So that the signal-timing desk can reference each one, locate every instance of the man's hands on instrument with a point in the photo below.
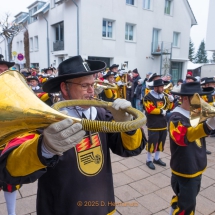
(118, 114)
(98, 90)
(62, 136)
(171, 98)
(163, 112)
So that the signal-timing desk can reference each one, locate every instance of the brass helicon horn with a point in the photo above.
(22, 111)
(200, 110)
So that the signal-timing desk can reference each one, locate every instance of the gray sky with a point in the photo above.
(197, 33)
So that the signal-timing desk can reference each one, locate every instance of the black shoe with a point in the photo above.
(208, 152)
(159, 162)
(150, 165)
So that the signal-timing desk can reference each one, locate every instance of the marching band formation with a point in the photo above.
(74, 165)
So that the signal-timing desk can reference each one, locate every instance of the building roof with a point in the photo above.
(24, 19)
(43, 9)
(193, 66)
(19, 14)
(36, 2)
(192, 16)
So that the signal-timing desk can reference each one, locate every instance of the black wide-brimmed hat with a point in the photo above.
(191, 77)
(113, 66)
(74, 67)
(152, 76)
(32, 78)
(49, 68)
(189, 89)
(207, 81)
(166, 82)
(2, 61)
(109, 73)
(158, 83)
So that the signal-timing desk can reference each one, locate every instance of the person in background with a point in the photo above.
(136, 77)
(190, 79)
(139, 97)
(114, 68)
(144, 83)
(169, 78)
(154, 103)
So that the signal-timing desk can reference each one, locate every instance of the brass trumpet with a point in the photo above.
(168, 87)
(21, 111)
(103, 85)
(200, 110)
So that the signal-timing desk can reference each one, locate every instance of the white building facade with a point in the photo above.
(210, 36)
(150, 35)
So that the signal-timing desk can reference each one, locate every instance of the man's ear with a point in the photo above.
(63, 88)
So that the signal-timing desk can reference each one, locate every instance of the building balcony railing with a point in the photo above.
(58, 45)
(161, 47)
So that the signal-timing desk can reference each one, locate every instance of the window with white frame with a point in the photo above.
(131, 2)
(31, 12)
(176, 37)
(168, 7)
(107, 28)
(31, 43)
(36, 43)
(147, 4)
(156, 43)
(129, 32)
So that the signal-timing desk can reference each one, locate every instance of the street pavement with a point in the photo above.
(138, 190)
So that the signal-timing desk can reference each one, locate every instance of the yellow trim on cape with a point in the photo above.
(157, 129)
(188, 176)
(112, 212)
(132, 142)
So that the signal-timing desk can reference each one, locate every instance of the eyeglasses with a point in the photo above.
(83, 86)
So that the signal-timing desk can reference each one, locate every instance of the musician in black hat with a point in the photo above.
(188, 150)
(109, 95)
(210, 99)
(155, 107)
(73, 166)
(49, 72)
(9, 190)
(114, 68)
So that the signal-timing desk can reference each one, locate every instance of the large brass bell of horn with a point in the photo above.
(22, 111)
(200, 110)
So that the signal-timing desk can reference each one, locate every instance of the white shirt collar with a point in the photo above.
(35, 88)
(156, 95)
(182, 111)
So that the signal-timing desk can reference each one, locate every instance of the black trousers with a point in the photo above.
(156, 141)
(186, 190)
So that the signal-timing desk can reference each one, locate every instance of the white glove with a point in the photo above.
(163, 112)
(115, 76)
(171, 98)
(211, 123)
(119, 83)
(98, 90)
(62, 136)
(106, 81)
(120, 115)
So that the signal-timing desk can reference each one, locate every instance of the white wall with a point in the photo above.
(137, 52)
(210, 41)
